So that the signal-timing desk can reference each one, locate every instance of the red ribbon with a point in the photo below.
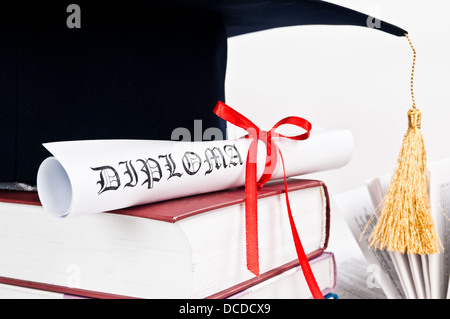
(251, 184)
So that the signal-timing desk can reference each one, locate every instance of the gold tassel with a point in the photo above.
(405, 224)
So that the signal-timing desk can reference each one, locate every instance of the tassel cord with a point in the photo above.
(412, 70)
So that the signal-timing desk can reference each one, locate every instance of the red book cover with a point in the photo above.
(179, 208)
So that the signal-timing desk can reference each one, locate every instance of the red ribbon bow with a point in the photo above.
(251, 184)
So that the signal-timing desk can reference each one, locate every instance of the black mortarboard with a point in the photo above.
(131, 69)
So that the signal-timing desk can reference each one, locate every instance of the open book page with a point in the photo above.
(426, 275)
(448, 291)
(403, 271)
(418, 276)
(418, 273)
(413, 270)
(429, 273)
(356, 280)
(439, 190)
(357, 209)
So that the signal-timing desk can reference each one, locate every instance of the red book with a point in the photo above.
(191, 247)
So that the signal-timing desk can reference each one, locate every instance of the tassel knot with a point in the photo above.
(414, 118)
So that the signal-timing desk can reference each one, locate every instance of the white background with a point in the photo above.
(353, 78)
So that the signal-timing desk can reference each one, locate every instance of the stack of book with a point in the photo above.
(190, 247)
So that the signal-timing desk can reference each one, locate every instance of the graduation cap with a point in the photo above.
(131, 69)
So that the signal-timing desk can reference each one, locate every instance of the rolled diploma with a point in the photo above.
(92, 176)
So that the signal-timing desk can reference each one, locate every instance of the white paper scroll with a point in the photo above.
(101, 175)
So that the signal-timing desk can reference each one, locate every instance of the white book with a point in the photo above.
(291, 284)
(288, 284)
